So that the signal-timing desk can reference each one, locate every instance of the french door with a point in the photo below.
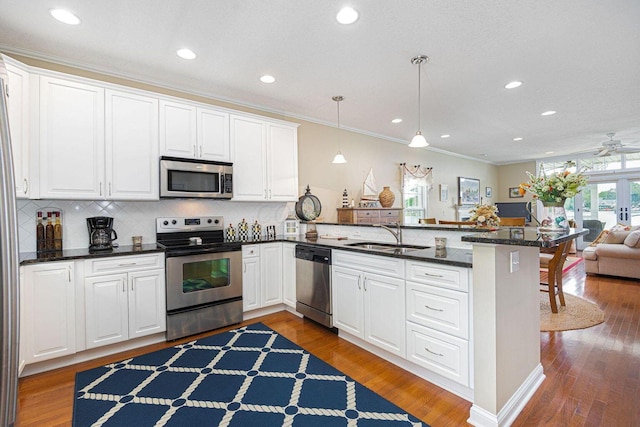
(606, 201)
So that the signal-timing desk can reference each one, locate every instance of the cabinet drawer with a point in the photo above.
(123, 263)
(444, 276)
(367, 214)
(389, 214)
(441, 353)
(438, 308)
(370, 263)
(250, 251)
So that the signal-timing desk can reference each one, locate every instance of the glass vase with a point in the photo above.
(553, 217)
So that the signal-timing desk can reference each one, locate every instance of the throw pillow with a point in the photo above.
(601, 237)
(616, 237)
(633, 239)
(624, 227)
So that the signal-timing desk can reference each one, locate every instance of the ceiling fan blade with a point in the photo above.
(603, 152)
(628, 150)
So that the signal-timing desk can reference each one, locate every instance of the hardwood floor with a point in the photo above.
(592, 375)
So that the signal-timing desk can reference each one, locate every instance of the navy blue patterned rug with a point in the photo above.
(249, 376)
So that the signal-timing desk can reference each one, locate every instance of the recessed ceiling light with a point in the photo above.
(548, 152)
(65, 16)
(445, 136)
(396, 121)
(549, 113)
(267, 79)
(347, 15)
(513, 85)
(518, 138)
(186, 53)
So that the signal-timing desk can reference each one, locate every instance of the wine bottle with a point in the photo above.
(40, 239)
(48, 233)
(57, 233)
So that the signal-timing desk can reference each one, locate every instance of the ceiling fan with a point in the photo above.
(615, 146)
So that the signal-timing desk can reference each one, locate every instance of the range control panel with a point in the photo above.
(200, 223)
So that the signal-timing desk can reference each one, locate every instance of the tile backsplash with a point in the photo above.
(138, 218)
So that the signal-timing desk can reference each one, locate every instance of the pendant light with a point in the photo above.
(419, 140)
(339, 158)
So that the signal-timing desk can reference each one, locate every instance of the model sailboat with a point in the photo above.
(370, 191)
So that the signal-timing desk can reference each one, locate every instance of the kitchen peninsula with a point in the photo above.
(504, 313)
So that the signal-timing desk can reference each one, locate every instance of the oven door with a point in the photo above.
(203, 279)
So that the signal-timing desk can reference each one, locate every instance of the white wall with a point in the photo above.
(317, 144)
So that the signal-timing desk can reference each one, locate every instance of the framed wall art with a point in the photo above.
(514, 193)
(488, 192)
(444, 192)
(468, 191)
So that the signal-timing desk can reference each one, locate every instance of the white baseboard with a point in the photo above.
(480, 417)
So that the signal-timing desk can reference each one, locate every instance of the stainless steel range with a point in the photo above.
(203, 275)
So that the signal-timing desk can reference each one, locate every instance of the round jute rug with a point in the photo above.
(578, 314)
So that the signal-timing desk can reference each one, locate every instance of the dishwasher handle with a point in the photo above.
(313, 254)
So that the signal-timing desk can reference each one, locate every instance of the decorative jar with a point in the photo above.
(386, 197)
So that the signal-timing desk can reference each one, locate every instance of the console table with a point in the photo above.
(369, 215)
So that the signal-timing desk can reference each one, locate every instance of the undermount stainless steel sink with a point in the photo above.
(387, 247)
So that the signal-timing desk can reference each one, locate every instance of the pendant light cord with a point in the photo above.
(419, 95)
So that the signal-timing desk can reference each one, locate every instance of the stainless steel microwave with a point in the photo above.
(195, 179)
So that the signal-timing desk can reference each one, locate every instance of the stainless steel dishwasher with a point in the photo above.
(313, 284)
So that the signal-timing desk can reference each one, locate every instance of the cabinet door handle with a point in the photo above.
(195, 150)
(433, 352)
(69, 271)
(100, 189)
(26, 186)
(364, 283)
(124, 288)
(131, 280)
(269, 194)
(434, 309)
(201, 151)
(433, 275)
(127, 264)
(109, 189)
(359, 287)
(265, 193)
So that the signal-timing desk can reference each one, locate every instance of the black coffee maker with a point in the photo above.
(101, 233)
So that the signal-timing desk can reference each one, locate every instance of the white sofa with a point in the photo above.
(617, 255)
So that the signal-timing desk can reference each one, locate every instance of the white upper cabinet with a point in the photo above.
(96, 143)
(265, 160)
(71, 140)
(18, 108)
(213, 135)
(194, 132)
(282, 162)
(249, 160)
(131, 146)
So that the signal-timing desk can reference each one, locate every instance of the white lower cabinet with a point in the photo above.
(289, 274)
(368, 305)
(261, 275)
(417, 310)
(438, 319)
(127, 304)
(48, 326)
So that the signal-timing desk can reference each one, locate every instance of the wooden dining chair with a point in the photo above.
(427, 220)
(513, 222)
(458, 223)
(553, 260)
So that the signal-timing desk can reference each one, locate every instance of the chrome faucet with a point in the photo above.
(397, 233)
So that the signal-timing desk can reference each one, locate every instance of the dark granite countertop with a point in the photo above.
(451, 256)
(524, 236)
(83, 253)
